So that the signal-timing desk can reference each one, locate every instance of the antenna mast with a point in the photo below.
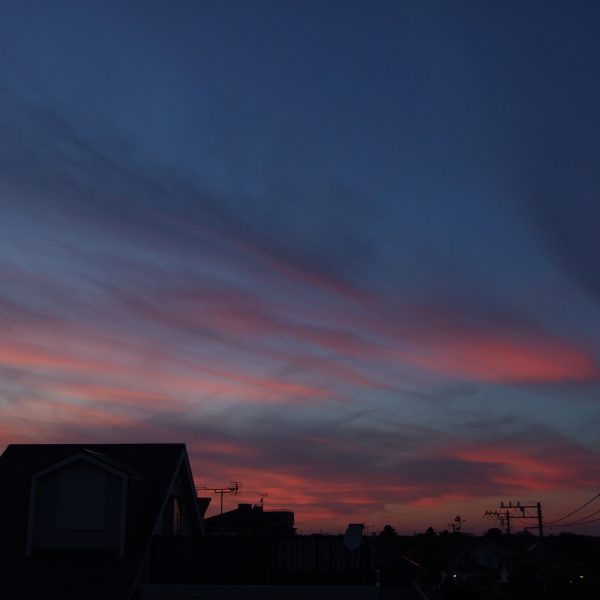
(232, 489)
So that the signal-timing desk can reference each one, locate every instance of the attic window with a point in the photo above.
(81, 499)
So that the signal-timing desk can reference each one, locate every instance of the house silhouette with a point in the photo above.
(251, 520)
(77, 520)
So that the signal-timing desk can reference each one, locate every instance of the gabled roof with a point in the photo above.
(150, 469)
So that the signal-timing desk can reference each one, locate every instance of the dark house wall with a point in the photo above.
(180, 514)
(78, 506)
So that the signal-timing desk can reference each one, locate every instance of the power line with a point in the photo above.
(503, 518)
(578, 521)
(511, 511)
(576, 524)
(573, 511)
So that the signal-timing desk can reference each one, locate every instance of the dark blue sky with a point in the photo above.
(339, 249)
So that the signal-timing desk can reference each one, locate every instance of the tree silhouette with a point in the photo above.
(388, 532)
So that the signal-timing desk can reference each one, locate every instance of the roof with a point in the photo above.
(251, 518)
(151, 469)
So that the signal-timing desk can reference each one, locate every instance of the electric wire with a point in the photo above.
(577, 521)
(573, 511)
(584, 523)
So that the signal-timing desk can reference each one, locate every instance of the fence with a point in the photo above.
(298, 560)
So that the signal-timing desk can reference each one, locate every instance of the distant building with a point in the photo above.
(248, 520)
(77, 521)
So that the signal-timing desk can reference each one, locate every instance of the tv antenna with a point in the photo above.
(457, 524)
(231, 489)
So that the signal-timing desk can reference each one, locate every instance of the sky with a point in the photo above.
(348, 252)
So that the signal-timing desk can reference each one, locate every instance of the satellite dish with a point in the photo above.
(353, 536)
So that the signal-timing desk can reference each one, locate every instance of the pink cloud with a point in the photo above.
(542, 465)
(493, 358)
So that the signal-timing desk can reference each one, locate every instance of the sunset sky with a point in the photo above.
(348, 252)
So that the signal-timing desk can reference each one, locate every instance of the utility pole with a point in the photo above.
(503, 518)
(526, 511)
(519, 511)
(539, 516)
